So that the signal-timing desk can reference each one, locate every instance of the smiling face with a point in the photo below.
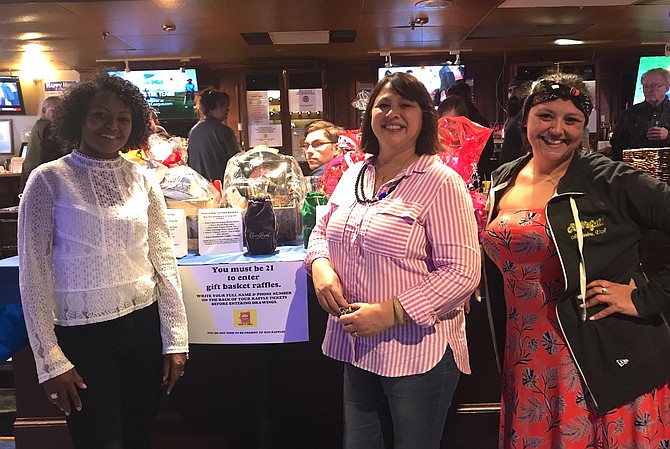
(107, 126)
(396, 121)
(555, 129)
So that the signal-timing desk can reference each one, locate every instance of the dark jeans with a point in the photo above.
(398, 412)
(121, 363)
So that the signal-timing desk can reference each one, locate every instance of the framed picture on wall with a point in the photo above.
(6, 144)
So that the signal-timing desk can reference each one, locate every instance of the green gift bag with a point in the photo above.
(308, 213)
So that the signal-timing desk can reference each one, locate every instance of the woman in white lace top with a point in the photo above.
(99, 284)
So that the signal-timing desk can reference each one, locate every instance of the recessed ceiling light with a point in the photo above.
(31, 36)
(568, 42)
(432, 4)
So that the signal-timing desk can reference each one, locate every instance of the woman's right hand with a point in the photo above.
(62, 390)
(328, 287)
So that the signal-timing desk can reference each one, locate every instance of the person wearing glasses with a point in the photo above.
(320, 145)
(646, 124)
(42, 147)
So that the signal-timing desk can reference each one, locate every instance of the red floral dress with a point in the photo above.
(545, 403)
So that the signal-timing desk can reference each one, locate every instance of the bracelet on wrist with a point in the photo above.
(398, 311)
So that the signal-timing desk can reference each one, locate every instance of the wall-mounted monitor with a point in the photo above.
(171, 92)
(647, 63)
(436, 78)
(11, 97)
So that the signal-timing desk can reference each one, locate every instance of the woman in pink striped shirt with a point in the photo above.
(393, 261)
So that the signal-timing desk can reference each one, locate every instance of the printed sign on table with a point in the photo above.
(238, 303)
(176, 219)
(219, 231)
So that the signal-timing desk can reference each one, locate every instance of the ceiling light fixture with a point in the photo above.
(419, 20)
(169, 26)
(568, 42)
(387, 58)
(432, 4)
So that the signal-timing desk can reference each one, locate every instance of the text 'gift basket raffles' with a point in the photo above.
(655, 161)
(264, 172)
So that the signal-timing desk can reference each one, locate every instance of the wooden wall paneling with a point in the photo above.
(343, 77)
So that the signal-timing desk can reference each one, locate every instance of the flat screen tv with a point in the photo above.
(171, 92)
(11, 97)
(436, 78)
(647, 63)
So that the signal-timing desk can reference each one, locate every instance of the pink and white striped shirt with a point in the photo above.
(419, 244)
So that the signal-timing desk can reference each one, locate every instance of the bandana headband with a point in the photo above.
(547, 90)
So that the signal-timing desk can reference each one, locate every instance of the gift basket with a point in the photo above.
(348, 142)
(182, 187)
(463, 142)
(264, 172)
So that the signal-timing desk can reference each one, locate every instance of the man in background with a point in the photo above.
(646, 124)
(486, 163)
(42, 147)
(320, 145)
(513, 142)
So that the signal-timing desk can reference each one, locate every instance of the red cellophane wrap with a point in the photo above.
(463, 142)
(348, 141)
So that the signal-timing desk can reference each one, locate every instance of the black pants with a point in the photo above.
(121, 364)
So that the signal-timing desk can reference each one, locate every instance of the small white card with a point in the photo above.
(176, 219)
(220, 231)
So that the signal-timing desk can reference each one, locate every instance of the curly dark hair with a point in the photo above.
(407, 86)
(69, 119)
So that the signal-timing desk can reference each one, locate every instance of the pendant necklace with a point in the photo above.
(553, 180)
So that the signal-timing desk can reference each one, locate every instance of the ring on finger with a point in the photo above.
(53, 396)
(603, 290)
(354, 333)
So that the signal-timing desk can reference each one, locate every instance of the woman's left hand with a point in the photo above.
(617, 298)
(173, 369)
(367, 319)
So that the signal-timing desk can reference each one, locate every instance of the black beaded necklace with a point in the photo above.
(359, 188)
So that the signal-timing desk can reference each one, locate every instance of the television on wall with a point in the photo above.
(647, 63)
(11, 96)
(436, 78)
(171, 92)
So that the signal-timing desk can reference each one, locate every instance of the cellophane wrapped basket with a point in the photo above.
(263, 171)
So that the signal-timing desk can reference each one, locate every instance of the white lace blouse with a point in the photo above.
(94, 245)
